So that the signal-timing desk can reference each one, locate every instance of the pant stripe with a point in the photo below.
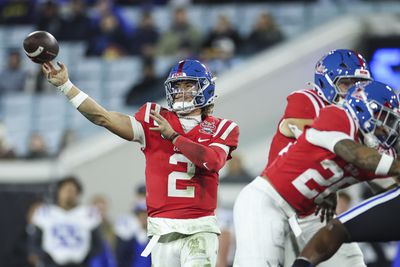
(368, 204)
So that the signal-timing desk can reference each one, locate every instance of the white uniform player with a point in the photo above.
(66, 235)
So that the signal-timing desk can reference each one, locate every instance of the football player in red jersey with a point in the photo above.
(335, 73)
(328, 156)
(185, 147)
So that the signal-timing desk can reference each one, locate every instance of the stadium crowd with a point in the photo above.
(105, 31)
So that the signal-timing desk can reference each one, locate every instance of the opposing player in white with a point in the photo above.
(65, 233)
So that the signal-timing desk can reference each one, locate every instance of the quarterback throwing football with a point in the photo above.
(185, 147)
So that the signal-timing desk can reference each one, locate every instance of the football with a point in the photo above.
(41, 46)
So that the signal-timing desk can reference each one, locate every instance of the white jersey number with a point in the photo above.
(174, 176)
(312, 174)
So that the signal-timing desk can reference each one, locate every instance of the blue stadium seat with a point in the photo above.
(14, 35)
(18, 119)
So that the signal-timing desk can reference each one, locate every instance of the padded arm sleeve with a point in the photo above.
(204, 157)
(325, 139)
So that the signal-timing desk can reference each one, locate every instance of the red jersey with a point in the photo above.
(306, 173)
(304, 104)
(176, 188)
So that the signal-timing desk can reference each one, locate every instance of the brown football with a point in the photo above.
(41, 46)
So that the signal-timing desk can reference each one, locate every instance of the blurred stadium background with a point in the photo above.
(119, 53)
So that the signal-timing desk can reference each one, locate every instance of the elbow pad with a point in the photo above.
(325, 139)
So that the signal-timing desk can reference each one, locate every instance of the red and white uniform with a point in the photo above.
(300, 176)
(303, 104)
(306, 173)
(178, 190)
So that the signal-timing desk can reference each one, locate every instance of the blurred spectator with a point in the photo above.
(17, 11)
(106, 257)
(140, 193)
(76, 25)
(37, 148)
(236, 172)
(68, 138)
(145, 37)
(103, 8)
(222, 30)
(101, 203)
(48, 18)
(221, 56)
(149, 89)
(108, 39)
(109, 33)
(13, 77)
(180, 32)
(132, 238)
(142, 2)
(6, 151)
(264, 34)
(64, 233)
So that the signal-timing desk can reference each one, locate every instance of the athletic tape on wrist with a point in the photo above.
(66, 87)
(384, 164)
(77, 100)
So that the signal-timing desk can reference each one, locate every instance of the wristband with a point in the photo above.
(173, 136)
(66, 87)
(384, 165)
(77, 100)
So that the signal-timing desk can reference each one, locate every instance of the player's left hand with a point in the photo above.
(163, 125)
(326, 209)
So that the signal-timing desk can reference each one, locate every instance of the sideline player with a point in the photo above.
(335, 73)
(185, 147)
(311, 169)
(65, 233)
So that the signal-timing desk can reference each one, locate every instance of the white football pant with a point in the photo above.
(263, 232)
(197, 250)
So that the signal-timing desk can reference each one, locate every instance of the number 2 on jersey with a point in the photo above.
(174, 176)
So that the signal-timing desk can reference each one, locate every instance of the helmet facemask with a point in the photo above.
(386, 124)
(349, 81)
(375, 106)
(189, 98)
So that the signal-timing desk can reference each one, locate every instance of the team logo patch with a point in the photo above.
(207, 127)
